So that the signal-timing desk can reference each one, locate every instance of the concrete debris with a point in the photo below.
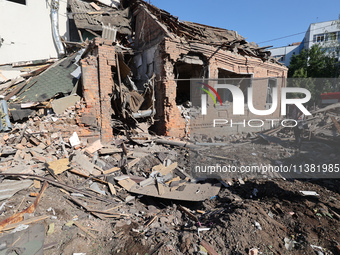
(309, 193)
(289, 244)
(253, 251)
(8, 188)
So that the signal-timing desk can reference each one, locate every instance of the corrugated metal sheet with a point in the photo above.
(9, 188)
(109, 33)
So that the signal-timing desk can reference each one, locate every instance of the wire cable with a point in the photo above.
(283, 37)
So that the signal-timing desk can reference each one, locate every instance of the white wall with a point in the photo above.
(320, 28)
(286, 51)
(27, 32)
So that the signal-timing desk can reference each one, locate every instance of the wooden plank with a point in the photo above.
(95, 13)
(84, 229)
(327, 108)
(120, 89)
(75, 171)
(147, 182)
(3, 77)
(336, 124)
(26, 222)
(168, 169)
(133, 162)
(127, 184)
(16, 90)
(160, 188)
(187, 212)
(151, 221)
(81, 36)
(79, 203)
(112, 170)
(208, 247)
(112, 188)
(95, 6)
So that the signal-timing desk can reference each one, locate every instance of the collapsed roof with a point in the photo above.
(194, 32)
(87, 17)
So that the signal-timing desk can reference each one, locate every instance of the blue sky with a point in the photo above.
(258, 21)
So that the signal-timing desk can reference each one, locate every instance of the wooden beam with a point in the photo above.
(336, 124)
(26, 222)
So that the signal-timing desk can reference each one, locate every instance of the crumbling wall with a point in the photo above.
(174, 123)
(98, 87)
(149, 35)
(218, 59)
(257, 69)
(148, 31)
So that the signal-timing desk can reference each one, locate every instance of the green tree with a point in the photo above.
(312, 64)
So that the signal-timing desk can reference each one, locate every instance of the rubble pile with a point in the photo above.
(136, 195)
(325, 123)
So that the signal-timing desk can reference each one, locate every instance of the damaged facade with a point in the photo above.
(137, 62)
(184, 50)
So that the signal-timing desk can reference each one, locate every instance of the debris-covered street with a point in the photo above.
(98, 142)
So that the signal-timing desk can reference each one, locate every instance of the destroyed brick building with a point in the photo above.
(170, 52)
(138, 62)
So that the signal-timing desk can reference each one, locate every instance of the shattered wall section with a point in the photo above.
(89, 115)
(106, 58)
(150, 32)
(97, 88)
(173, 122)
(149, 38)
(217, 59)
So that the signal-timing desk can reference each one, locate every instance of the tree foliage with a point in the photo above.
(312, 64)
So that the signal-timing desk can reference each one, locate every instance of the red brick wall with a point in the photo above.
(106, 59)
(174, 122)
(97, 88)
(89, 116)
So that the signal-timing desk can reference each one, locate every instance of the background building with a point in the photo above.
(327, 34)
